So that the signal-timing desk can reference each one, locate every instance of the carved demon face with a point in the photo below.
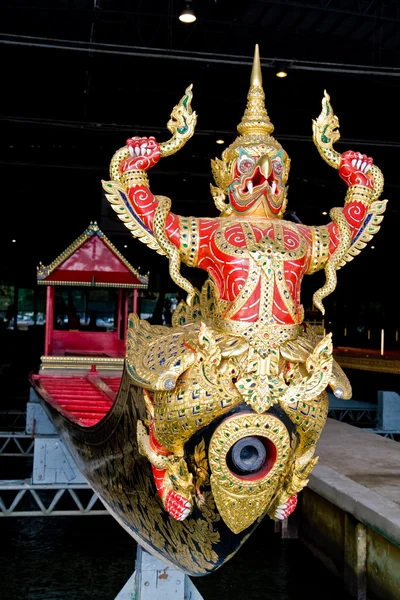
(259, 177)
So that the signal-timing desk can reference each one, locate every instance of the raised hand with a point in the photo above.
(177, 506)
(285, 510)
(354, 169)
(145, 153)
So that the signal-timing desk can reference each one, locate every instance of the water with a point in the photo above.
(91, 558)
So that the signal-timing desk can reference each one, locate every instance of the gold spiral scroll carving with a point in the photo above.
(243, 499)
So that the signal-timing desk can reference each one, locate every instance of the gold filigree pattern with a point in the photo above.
(116, 195)
(159, 223)
(201, 468)
(176, 476)
(189, 240)
(155, 354)
(197, 374)
(205, 392)
(335, 259)
(265, 384)
(370, 227)
(320, 248)
(221, 201)
(309, 418)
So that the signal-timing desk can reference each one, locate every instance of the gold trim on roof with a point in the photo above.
(44, 271)
(142, 286)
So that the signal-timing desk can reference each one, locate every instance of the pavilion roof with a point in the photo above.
(91, 260)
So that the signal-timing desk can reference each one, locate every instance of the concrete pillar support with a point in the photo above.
(154, 580)
(355, 558)
(388, 417)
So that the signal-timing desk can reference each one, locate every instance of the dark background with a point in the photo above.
(79, 77)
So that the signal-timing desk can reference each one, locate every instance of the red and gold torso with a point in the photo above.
(257, 265)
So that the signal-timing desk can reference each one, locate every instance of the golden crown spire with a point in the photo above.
(255, 119)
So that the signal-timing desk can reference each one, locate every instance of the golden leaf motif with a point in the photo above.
(201, 465)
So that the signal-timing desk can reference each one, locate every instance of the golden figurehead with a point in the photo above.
(238, 371)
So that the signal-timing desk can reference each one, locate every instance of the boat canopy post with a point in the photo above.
(126, 313)
(120, 334)
(154, 580)
(135, 300)
(49, 319)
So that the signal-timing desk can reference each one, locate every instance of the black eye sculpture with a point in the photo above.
(247, 456)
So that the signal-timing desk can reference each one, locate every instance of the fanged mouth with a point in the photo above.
(258, 180)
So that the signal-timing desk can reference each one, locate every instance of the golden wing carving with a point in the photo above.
(222, 173)
(118, 199)
(370, 227)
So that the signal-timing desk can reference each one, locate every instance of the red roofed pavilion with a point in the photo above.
(91, 261)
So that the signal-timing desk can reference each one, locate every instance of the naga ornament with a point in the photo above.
(232, 397)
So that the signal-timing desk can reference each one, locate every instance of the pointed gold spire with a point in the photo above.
(255, 119)
(256, 76)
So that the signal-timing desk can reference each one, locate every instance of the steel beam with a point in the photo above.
(43, 500)
(162, 53)
(12, 420)
(16, 444)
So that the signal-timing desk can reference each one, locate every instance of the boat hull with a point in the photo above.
(108, 456)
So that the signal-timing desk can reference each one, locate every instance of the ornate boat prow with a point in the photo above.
(216, 419)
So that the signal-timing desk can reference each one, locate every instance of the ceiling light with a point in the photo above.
(187, 15)
(125, 245)
(281, 69)
(13, 241)
(220, 142)
(372, 247)
(324, 213)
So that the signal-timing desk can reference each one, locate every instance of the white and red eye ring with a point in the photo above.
(245, 164)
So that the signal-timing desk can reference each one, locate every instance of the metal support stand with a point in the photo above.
(57, 487)
(288, 528)
(154, 580)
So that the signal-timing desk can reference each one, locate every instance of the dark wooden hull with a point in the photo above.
(108, 456)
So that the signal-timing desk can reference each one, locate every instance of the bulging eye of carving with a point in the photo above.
(245, 164)
(277, 166)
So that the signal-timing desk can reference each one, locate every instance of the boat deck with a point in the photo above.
(85, 399)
